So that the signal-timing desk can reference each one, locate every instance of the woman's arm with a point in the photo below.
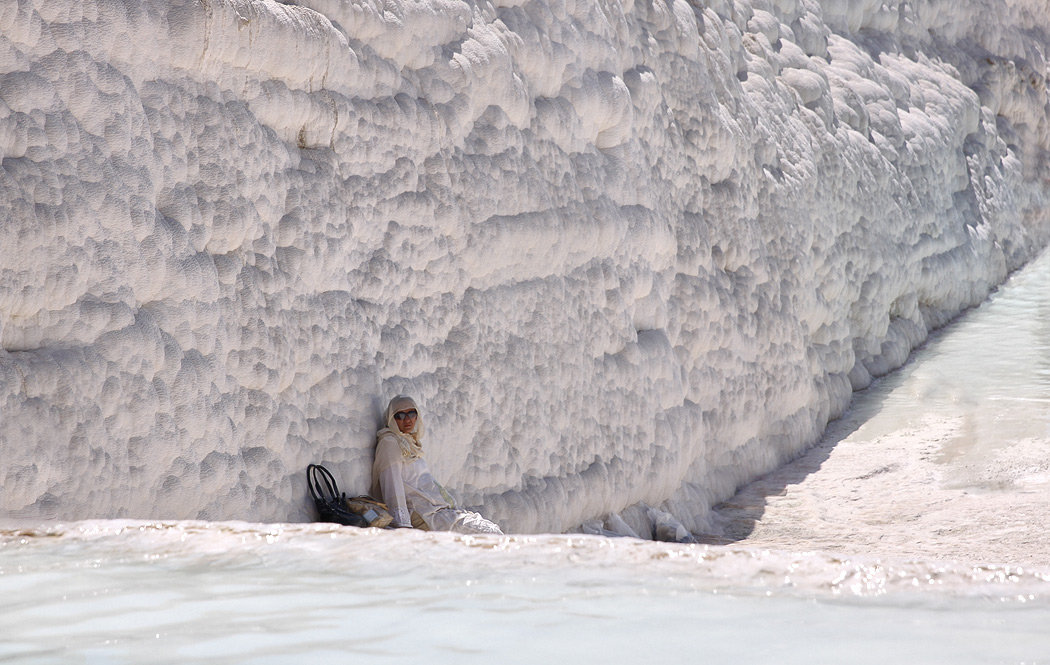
(391, 484)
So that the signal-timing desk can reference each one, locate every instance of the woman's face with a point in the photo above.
(406, 420)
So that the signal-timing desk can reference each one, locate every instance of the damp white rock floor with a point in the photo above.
(895, 495)
(948, 458)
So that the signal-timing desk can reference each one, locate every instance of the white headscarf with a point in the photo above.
(411, 443)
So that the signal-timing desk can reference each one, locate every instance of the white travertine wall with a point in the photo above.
(625, 253)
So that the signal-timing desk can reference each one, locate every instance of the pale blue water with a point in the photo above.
(109, 592)
(229, 593)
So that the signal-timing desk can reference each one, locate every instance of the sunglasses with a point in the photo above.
(401, 415)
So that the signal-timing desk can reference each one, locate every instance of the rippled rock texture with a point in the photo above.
(625, 253)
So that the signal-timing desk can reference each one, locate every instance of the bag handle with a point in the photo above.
(322, 483)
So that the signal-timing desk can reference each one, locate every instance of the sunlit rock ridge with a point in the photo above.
(625, 254)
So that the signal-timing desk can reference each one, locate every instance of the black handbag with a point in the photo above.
(330, 502)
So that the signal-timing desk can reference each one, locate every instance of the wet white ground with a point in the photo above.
(949, 458)
(119, 592)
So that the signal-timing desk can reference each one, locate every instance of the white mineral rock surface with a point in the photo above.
(626, 254)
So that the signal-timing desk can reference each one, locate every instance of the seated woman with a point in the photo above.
(401, 477)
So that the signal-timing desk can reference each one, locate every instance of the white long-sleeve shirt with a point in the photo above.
(407, 486)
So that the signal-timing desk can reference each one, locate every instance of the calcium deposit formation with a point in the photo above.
(627, 254)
